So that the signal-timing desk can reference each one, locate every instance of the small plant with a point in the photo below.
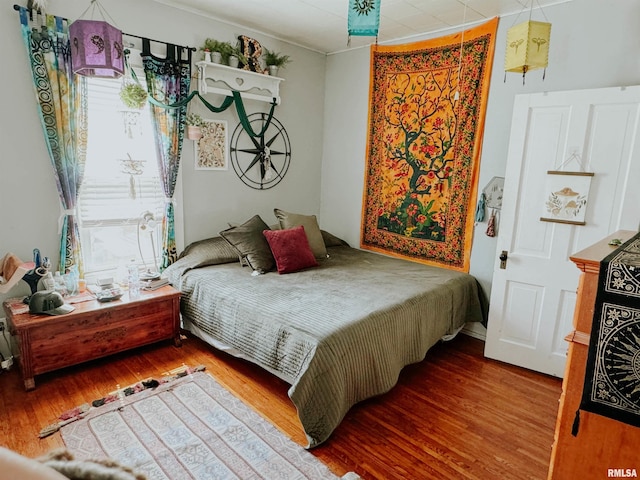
(275, 58)
(224, 48)
(193, 119)
(237, 51)
(133, 95)
(194, 123)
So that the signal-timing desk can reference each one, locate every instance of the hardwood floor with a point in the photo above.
(455, 415)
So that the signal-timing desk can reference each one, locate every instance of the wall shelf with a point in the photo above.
(224, 79)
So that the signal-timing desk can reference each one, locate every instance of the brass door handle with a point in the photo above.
(503, 259)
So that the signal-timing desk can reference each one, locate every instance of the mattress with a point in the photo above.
(338, 333)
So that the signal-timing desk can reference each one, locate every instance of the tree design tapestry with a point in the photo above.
(426, 120)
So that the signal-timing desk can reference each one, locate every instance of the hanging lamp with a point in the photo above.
(527, 46)
(96, 46)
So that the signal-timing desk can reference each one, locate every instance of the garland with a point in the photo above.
(79, 412)
(226, 103)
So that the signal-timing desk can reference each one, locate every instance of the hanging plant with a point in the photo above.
(194, 123)
(193, 119)
(133, 95)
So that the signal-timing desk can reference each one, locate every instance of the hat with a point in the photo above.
(49, 302)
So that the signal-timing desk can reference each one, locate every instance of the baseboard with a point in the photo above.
(475, 330)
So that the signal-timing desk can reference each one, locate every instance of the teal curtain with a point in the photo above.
(168, 83)
(62, 105)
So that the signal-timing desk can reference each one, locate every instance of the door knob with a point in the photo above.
(503, 259)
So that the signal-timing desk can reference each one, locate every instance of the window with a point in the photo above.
(121, 183)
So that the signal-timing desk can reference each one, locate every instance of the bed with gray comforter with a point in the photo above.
(338, 333)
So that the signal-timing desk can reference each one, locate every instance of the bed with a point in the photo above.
(338, 333)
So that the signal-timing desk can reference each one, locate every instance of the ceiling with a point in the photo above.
(321, 25)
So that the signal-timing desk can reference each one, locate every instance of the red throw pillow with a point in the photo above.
(290, 248)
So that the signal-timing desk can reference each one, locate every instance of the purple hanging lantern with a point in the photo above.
(96, 49)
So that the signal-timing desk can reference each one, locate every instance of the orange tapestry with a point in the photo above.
(426, 120)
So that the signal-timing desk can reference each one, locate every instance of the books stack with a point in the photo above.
(153, 284)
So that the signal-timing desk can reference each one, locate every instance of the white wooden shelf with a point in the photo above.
(222, 79)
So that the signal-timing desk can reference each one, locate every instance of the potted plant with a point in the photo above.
(133, 95)
(194, 122)
(220, 51)
(275, 61)
(236, 57)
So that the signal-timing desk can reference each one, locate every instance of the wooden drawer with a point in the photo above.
(83, 338)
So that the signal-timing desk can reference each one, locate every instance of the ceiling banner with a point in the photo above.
(364, 17)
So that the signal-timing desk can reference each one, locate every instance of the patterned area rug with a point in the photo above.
(190, 428)
(426, 121)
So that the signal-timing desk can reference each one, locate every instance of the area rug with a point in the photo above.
(612, 379)
(426, 121)
(190, 428)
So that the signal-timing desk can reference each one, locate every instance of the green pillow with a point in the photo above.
(210, 251)
(250, 244)
(311, 228)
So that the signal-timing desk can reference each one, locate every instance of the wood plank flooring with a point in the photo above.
(455, 415)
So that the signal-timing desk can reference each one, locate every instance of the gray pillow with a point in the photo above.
(332, 241)
(311, 228)
(210, 251)
(251, 244)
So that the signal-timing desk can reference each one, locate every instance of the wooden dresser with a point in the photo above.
(602, 443)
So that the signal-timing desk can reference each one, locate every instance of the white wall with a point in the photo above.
(593, 44)
(29, 206)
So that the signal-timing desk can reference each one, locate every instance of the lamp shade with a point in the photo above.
(96, 49)
(527, 47)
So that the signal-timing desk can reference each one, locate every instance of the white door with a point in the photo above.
(533, 298)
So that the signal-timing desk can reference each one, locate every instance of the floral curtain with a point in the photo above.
(168, 83)
(62, 105)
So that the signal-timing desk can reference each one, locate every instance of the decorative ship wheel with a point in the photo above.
(261, 162)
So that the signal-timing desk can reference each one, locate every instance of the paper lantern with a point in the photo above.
(96, 49)
(527, 47)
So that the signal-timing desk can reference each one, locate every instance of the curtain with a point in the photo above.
(62, 105)
(168, 82)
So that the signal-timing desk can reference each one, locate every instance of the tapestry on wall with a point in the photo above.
(612, 379)
(426, 120)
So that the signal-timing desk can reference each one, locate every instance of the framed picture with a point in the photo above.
(211, 149)
(566, 196)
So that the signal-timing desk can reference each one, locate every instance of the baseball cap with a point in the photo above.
(48, 302)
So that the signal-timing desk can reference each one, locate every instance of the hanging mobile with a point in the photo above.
(261, 162)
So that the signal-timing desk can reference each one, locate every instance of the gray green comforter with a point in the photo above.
(338, 333)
